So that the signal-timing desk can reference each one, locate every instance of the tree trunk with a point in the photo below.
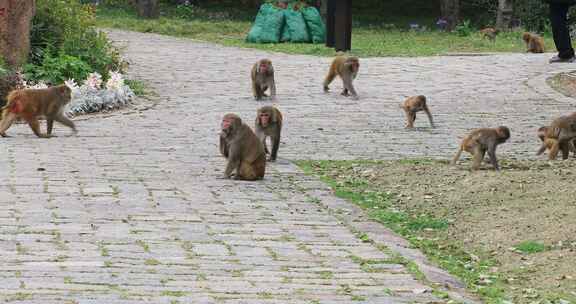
(450, 10)
(147, 8)
(15, 22)
(504, 14)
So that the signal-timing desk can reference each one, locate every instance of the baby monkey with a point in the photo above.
(415, 104)
(480, 141)
(269, 124)
(347, 68)
(534, 43)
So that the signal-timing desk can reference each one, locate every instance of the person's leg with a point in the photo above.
(560, 32)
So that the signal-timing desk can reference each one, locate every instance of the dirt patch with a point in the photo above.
(490, 214)
(564, 83)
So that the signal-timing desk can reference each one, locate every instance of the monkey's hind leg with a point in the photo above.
(35, 126)
(49, 126)
(329, 78)
(479, 154)
(7, 121)
(252, 171)
(456, 157)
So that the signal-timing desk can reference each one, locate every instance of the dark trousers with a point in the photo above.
(560, 31)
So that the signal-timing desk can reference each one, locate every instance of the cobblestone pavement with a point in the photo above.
(133, 211)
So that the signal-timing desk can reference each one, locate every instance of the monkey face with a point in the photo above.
(542, 132)
(503, 133)
(230, 122)
(354, 63)
(264, 66)
(264, 119)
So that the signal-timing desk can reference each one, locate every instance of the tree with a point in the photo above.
(147, 8)
(450, 10)
(504, 14)
(15, 23)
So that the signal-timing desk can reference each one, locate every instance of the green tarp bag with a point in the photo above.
(315, 24)
(285, 36)
(296, 26)
(267, 26)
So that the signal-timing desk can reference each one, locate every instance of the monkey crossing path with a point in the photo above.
(132, 210)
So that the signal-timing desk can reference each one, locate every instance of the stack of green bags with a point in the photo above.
(296, 23)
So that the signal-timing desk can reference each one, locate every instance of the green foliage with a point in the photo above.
(136, 86)
(56, 70)
(464, 29)
(529, 247)
(533, 14)
(3, 67)
(185, 11)
(369, 39)
(63, 33)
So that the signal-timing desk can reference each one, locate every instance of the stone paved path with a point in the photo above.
(132, 210)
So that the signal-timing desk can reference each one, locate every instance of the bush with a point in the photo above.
(63, 33)
(56, 70)
(464, 29)
(533, 15)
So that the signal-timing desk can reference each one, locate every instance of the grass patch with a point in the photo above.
(173, 293)
(528, 247)
(371, 38)
(422, 230)
(137, 86)
(151, 262)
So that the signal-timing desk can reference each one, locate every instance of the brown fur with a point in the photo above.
(561, 136)
(534, 43)
(269, 124)
(490, 33)
(29, 104)
(347, 68)
(549, 143)
(480, 141)
(262, 76)
(244, 151)
(415, 104)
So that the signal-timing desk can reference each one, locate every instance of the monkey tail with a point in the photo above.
(457, 156)
(13, 105)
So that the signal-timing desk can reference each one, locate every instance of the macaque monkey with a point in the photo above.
(269, 124)
(480, 141)
(489, 33)
(244, 151)
(534, 43)
(415, 104)
(559, 136)
(263, 79)
(29, 104)
(347, 68)
(548, 143)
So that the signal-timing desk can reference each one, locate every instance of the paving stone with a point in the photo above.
(133, 209)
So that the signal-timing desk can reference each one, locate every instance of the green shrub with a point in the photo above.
(464, 29)
(56, 70)
(63, 33)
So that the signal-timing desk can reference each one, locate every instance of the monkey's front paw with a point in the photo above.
(355, 97)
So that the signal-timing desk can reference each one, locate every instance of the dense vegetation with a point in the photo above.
(65, 43)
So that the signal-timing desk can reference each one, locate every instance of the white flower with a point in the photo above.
(116, 82)
(94, 81)
(39, 85)
(71, 83)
